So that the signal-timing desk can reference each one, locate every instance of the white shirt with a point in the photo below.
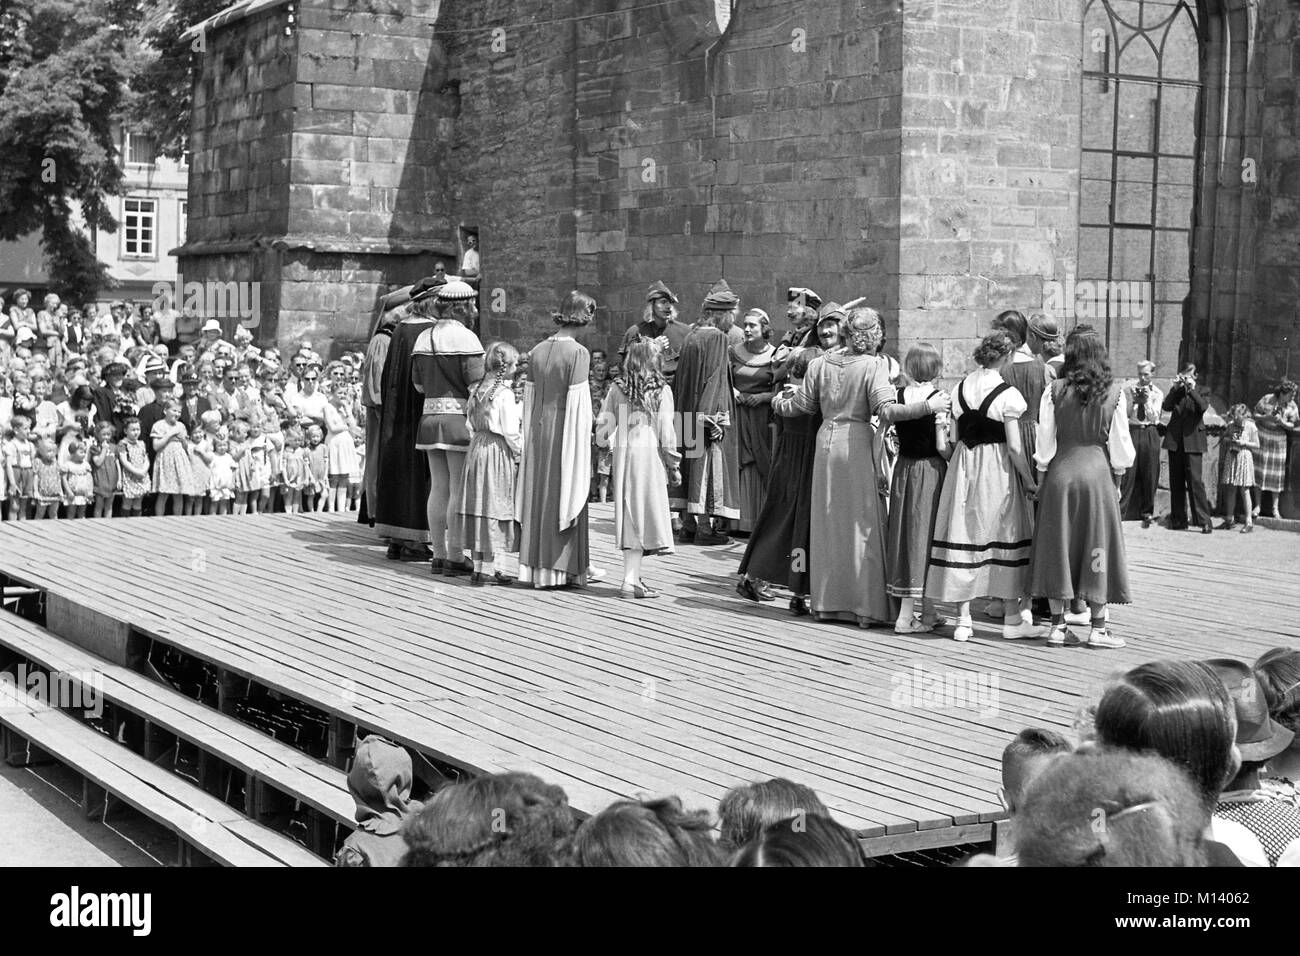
(1244, 844)
(166, 319)
(975, 387)
(1155, 398)
(311, 406)
(1118, 441)
(469, 263)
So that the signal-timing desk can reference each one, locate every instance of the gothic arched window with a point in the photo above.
(1141, 89)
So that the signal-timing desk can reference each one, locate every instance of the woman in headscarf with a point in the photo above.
(555, 468)
(380, 782)
(702, 394)
(847, 539)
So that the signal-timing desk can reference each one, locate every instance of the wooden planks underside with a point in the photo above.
(689, 694)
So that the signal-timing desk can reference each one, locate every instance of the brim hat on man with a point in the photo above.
(1259, 737)
(113, 368)
(720, 297)
(427, 287)
(660, 291)
(830, 312)
(803, 296)
(212, 325)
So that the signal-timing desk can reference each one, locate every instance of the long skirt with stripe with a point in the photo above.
(984, 529)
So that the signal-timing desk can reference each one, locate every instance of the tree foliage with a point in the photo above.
(65, 69)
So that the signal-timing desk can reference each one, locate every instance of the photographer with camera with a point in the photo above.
(1185, 442)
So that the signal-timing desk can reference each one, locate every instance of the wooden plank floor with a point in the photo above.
(689, 694)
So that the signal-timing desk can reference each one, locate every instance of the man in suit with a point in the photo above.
(193, 405)
(1143, 401)
(1185, 442)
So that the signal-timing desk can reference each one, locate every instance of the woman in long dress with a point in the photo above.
(636, 423)
(985, 525)
(1276, 416)
(779, 549)
(753, 375)
(848, 516)
(448, 363)
(555, 470)
(1084, 447)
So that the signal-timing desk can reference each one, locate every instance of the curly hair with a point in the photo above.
(645, 833)
(508, 819)
(745, 812)
(1111, 808)
(1087, 366)
(1014, 324)
(875, 335)
(642, 380)
(578, 308)
(1278, 671)
(993, 347)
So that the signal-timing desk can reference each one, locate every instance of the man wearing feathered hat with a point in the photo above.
(659, 323)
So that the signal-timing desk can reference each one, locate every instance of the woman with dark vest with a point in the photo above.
(448, 362)
(915, 489)
(985, 524)
(1083, 451)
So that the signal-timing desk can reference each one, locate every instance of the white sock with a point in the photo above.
(906, 607)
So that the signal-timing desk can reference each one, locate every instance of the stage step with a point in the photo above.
(33, 731)
(270, 766)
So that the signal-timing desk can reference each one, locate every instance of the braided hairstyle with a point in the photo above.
(642, 380)
(500, 357)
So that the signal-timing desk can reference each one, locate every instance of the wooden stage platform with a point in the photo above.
(689, 694)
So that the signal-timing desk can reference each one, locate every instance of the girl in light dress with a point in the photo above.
(108, 473)
(314, 495)
(172, 475)
(254, 478)
(133, 462)
(341, 450)
(295, 469)
(78, 480)
(47, 483)
(206, 431)
(221, 476)
(1239, 468)
(239, 442)
(488, 500)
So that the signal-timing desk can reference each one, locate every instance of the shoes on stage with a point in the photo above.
(435, 567)
(496, 579)
(394, 552)
(638, 591)
(1207, 530)
(799, 605)
(914, 626)
(711, 538)
(457, 568)
(686, 537)
(595, 575)
(1248, 529)
(1146, 521)
(754, 590)
(1021, 632)
(1101, 637)
(937, 621)
(963, 632)
(1228, 525)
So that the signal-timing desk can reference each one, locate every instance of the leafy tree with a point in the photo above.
(163, 82)
(65, 68)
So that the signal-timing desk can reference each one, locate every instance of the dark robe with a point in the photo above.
(402, 474)
(702, 393)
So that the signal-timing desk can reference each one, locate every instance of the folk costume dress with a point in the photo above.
(753, 374)
(1078, 549)
(847, 539)
(555, 469)
(984, 529)
(1027, 374)
(914, 491)
(643, 442)
(401, 509)
(172, 474)
(487, 503)
(702, 395)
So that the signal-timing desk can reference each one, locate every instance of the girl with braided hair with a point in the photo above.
(488, 501)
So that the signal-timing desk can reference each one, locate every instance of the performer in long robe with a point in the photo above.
(702, 394)
(392, 309)
(754, 376)
(555, 468)
(848, 513)
(402, 478)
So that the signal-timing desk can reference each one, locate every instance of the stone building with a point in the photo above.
(1130, 163)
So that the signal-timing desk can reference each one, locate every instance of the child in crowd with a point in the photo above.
(19, 457)
(108, 473)
(46, 414)
(274, 433)
(221, 476)
(295, 470)
(78, 480)
(380, 782)
(341, 450)
(255, 471)
(1242, 438)
(488, 500)
(314, 495)
(359, 472)
(914, 493)
(133, 459)
(172, 475)
(47, 483)
(239, 450)
(601, 458)
(200, 470)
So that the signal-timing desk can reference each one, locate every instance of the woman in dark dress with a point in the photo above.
(1083, 450)
(778, 549)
